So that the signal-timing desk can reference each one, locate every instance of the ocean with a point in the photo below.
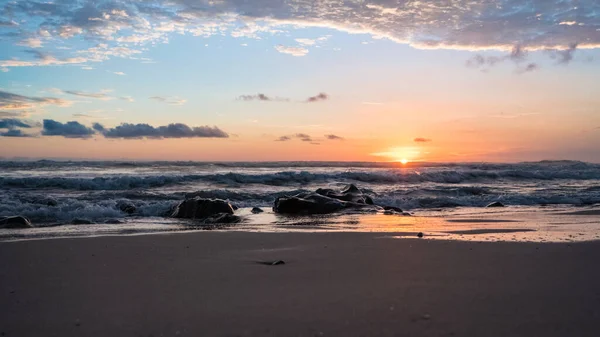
(55, 194)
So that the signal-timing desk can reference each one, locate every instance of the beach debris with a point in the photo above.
(126, 207)
(271, 263)
(81, 222)
(200, 208)
(495, 204)
(420, 234)
(256, 210)
(14, 222)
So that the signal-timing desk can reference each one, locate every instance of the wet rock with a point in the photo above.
(392, 208)
(222, 218)
(256, 210)
(113, 222)
(323, 201)
(13, 222)
(420, 235)
(126, 207)
(496, 204)
(351, 194)
(200, 208)
(81, 222)
(235, 208)
(272, 263)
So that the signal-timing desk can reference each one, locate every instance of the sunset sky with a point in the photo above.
(236, 80)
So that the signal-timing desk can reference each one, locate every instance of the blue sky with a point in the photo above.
(479, 80)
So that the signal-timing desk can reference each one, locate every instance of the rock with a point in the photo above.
(13, 222)
(126, 207)
(222, 218)
(496, 204)
(420, 235)
(50, 202)
(235, 208)
(113, 222)
(199, 208)
(392, 208)
(81, 222)
(272, 263)
(256, 210)
(351, 193)
(322, 201)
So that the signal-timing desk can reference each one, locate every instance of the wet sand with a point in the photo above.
(332, 284)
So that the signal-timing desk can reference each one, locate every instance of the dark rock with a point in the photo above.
(496, 204)
(272, 263)
(15, 222)
(406, 214)
(390, 213)
(222, 218)
(199, 208)
(126, 207)
(235, 208)
(351, 194)
(323, 201)
(81, 222)
(256, 210)
(113, 222)
(420, 235)
(392, 208)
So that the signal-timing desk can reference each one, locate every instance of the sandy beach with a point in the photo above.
(332, 284)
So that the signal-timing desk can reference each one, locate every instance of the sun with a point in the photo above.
(404, 161)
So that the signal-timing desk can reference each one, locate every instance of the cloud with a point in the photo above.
(334, 137)
(320, 97)
(262, 97)
(11, 123)
(303, 137)
(169, 100)
(456, 24)
(175, 130)
(422, 140)
(565, 56)
(127, 98)
(518, 55)
(102, 95)
(10, 102)
(528, 68)
(14, 133)
(71, 129)
(259, 97)
(120, 73)
(294, 51)
(283, 139)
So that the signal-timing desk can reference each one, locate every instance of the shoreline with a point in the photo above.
(332, 284)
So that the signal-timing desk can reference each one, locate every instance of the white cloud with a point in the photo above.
(295, 51)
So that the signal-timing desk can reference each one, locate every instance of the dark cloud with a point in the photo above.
(11, 123)
(283, 139)
(261, 97)
(422, 140)
(176, 130)
(99, 127)
(528, 68)
(334, 137)
(320, 97)
(565, 56)
(303, 137)
(14, 133)
(518, 55)
(68, 130)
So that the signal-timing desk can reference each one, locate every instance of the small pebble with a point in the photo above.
(420, 234)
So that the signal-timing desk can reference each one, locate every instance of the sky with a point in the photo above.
(280, 80)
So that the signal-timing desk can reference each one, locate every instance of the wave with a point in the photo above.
(287, 178)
